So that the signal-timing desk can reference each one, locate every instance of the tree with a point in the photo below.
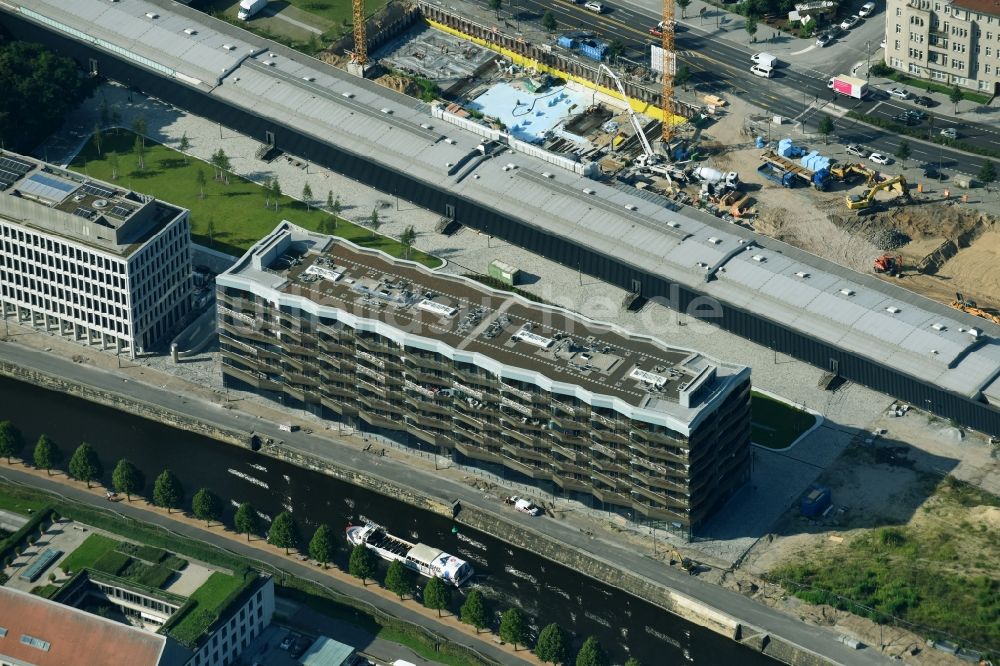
(116, 120)
(495, 6)
(632, 661)
(902, 151)
(615, 49)
(84, 465)
(955, 95)
(329, 200)
(374, 221)
(474, 611)
(266, 187)
(168, 491)
(139, 148)
(321, 546)
(199, 178)
(11, 440)
(225, 166)
(275, 193)
(126, 478)
(437, 595)
(307, 195)
(104, 112)
(207, 506)
(115, 165)
(284, 533)
(47, 454)
(407, 239)
(513, 628)
(682, 76)
(591, 654)
(750, 25)
(825, 128)
(247, 521)
(184, 146)
(362, 563)
(210, 230)
(399, 579)
(683, 4)
(98, 138)
(336, 209)
(987, 172)
(549, 21)
(552, 646)
(39, 89)
(140, 128)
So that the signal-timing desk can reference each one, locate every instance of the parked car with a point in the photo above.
(824, 39)
(923, 100)
(866, 10)
(879, 158)
(855, 149)
(287, 642)
(949, 133)
(881, 44)
(594, 6)
(905, 119)
(850, 22)
(917, 114)
(899, 93)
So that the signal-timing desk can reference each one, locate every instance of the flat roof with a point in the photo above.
(925, 339)
(508, 329)
(67, 204)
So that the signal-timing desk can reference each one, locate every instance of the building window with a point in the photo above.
(35, 642)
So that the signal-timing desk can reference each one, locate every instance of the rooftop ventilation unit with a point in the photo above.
(387, 111)
(272, 55)
(229, 47)
(546, 174)
(425, 126)
(309, 79)
(631, 207)
(847, 292)
(759, 258)
(801, 274)
(450, 141)
(269, 63)
(673, 224)
(152, 15)
(892, 309)
(934, 351)
(587, 190)
(974, 332)
(348, 95)
(939, 327)
(190, 31)
(713, 240)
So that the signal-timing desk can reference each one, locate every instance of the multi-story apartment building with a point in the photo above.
(89, 259)
(954, 42)
(582, 407)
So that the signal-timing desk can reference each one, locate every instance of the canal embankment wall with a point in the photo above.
(488, 522)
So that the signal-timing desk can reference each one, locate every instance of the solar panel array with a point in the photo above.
(98, 191)
(121, 212)
(15, 165)
(84, 212)
(8, 177)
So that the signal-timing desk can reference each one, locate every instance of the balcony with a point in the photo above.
(608, 467)
(525, 438)
(524, 410)
(569, 454)
(657, 453)
(611, 482)
(570, 423)
(618, 437)
(527, 470)
(418, 403)
(413, 361)
(337, 406)
(379, 377)
(340, 391)
(569, 468)
(521, 452)
(526, 396)
(377, 420)
(611, 497)
(604, 420)
(653, 481)
(417, 375)
(569, 483)
(476, 437)
(571, 440)
(467, 390)
(477, 452)
(427, 421)
(572, 410)
(254, 379)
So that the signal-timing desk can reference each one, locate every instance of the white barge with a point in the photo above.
(425, 560)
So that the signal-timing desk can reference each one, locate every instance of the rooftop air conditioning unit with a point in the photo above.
(348, 95)
(631, 207)
(309, 79)
(892, 309)
(759, 258)
(847, 292)
(939, 327)
(673, 224)
(546, 174)
(587, 190)
(190, 31)
(387, 111)
(152, 15)
(802, 274)
(713, 240)
(229, 47)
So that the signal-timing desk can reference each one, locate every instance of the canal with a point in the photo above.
(508, 576)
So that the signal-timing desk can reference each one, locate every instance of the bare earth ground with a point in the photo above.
(820, 223)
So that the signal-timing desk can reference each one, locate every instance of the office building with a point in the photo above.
(91, 260)
(953, 43)
(544, 395)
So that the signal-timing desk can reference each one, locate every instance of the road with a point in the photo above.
(800, 93)
(817, 639)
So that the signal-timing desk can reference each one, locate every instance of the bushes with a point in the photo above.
(113, 563)
(155, 576)
(20, 537)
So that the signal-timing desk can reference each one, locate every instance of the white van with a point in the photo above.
(762, 71)
(866, 10)
(764, 60)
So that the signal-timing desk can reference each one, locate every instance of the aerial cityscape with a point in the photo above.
(640, 332)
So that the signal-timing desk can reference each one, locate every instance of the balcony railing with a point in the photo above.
(478, 395)
(374, 374)
(527, 396)
(419, 389)
(513, 404)
(371, 358)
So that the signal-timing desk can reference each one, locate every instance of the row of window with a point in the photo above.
(56, 249)
(62, 310)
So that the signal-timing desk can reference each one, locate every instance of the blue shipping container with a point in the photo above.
(566, 42)
(593, 50)
(815, 501)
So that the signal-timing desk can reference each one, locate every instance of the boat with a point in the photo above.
(523, 505)
(425, 560)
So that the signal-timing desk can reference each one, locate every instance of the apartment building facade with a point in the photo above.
(953, 42)
(580, 407)
(89, 259)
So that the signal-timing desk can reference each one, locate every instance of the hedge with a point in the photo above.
(8, 545)
(113, 563)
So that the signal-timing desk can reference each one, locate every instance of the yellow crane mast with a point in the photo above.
(360, 42)
(669, 64)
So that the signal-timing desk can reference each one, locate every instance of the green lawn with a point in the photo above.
(21, 505)
(236, 210)
(775, 424)
(204, 606)
(89, 552)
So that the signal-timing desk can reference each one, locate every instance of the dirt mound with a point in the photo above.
(937, 220)
(331, 58)
(399, 84)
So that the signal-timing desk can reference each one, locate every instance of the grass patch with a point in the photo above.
(115, 564)
(939, 574)
(46, 591)
(775, 424)
(89, 552)
(236, 210)
(494, 283)
(937, 87)
(204, 606)
(22, 505)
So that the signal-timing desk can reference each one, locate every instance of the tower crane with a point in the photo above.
(360, 56)
(669, 69)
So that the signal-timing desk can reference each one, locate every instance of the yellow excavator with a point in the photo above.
(859, 201)
(686, 563)
(970, 307)
(844, 172)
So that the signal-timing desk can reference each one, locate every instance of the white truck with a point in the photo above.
(729, 180)
(248, 8)
(848, 85)
(764, 60)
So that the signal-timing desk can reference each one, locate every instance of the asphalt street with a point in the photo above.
(799, 92)
(817, 639)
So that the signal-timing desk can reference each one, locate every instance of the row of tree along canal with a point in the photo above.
(506, 577)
